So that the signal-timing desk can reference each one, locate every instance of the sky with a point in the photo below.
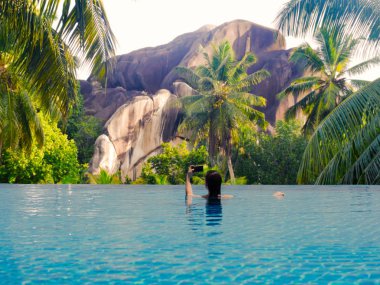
(147, 23)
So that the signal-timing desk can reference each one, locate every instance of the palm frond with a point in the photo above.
(201, 105)
(86, 28)
(306, 101)
(20, 122)
(254, 115)
(356, 161)
(359, 83)
(242, 65)
(257, 77)
(188, 75)
(340, 128)
(300, 86)
(363, 66)
(308, 56)
(248, 99)
(306, 17)
(330, 96)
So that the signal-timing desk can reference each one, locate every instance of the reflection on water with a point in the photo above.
(214, 212)
(209, 214)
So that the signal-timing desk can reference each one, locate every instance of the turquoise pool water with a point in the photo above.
(148, 235)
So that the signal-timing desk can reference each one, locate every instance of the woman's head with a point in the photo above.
(213, 183)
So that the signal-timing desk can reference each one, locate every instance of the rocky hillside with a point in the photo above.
(148, 70)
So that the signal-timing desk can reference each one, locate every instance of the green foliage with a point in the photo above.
(271, 159)
(171, 165)
(345, 147)
(224, 102)
(55, 162)
(104, 178)
(238, 181)
(84, 130)
(305, 17)
(328, 85)
(41, 44)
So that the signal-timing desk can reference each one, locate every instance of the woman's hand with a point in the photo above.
(190, 171)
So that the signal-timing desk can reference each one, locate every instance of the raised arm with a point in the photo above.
(189, 189)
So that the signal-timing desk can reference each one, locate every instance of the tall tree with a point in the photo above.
(40, 42)
(345, 148)
(224, 102)
(328, 85)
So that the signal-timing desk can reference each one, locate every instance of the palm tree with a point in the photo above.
(40, 42)
(357, 17)
(224, 102)
(328, 85)
(345, 146)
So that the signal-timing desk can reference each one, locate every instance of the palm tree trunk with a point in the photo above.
(230, 169)
(229, 159)
(212, 146)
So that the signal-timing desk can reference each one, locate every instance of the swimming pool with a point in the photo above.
(60, 234)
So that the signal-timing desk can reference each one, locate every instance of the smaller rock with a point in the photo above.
(105, 157)
(181, 89)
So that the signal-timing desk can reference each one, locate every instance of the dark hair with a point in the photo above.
(213, 183)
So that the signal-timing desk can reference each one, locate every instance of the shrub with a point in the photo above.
(272, 159)
(104, 178)
(55, 162)
(171, 165)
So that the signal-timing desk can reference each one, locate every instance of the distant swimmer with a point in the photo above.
(279, 194)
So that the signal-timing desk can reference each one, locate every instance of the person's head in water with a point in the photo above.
(213, 183)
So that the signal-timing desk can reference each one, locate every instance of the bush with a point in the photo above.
(104, 178)
(272, 159)
(55, 162)
(171, 165)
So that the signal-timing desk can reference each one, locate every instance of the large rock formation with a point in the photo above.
(134, 133)
(142, 123)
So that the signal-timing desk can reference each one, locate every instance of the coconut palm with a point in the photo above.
(358, 17)
(328, 85)
(224, 102)
(345, 146)
(39, 43)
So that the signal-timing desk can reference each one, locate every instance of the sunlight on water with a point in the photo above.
(75, 234)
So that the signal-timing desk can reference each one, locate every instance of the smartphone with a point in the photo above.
(197, 168)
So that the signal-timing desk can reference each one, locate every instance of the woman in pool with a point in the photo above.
(213, 183)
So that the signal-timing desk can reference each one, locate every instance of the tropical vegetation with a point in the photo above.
(223, 103)
(345, 147)
(104, 178)
(259, 158)
(55, 162)
(271, 159)
(43, 42)
(40, 44)
(170, 166)
(83, 129)
(326, 84)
